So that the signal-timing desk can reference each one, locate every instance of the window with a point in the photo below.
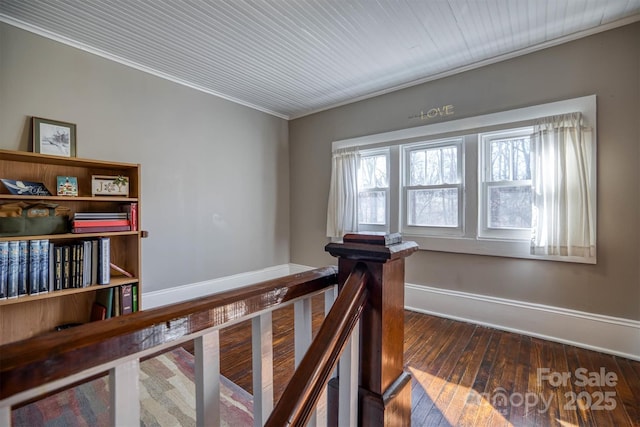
(505, 193)
(373, 190)
(433, 187)
(488, 185)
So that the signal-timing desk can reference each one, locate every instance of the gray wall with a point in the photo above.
(215, 175)
(605, 64)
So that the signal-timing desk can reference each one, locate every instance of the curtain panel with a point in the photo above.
(342, 209)
(563, 209)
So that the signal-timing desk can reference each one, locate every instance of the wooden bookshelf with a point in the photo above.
(31, 315)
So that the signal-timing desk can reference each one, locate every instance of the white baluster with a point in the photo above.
(5, 416)
(124, 387)
(348, 384)
(262, 360)
(207, 370)
(303, 333)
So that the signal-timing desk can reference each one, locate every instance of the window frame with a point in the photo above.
(363, 226)
(433, 230)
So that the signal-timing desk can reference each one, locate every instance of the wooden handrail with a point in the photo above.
(303, 391)
(31, 363)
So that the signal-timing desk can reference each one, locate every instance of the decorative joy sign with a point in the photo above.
(445, 110)
(104, 185)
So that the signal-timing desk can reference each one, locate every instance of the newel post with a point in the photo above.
(384, 387)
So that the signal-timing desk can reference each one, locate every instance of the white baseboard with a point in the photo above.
(587, 330)
(194, 290)
(606, 334)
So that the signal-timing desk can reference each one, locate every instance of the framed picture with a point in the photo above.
(54, 137)
(67, 186)
(25, 188)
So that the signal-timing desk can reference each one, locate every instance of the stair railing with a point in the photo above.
(371, 389)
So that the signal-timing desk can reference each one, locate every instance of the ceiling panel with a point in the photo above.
(294, 57)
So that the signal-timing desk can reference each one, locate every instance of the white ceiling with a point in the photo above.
(290, 58)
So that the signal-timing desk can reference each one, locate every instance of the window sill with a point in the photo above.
(490, 247)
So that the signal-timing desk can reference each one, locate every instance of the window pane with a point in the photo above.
(510, 159)
(372, 172)
(433, 166)
(372, 207)
(435, 208)
(510, 207)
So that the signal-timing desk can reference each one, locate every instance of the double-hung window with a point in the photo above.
(505, 184)
(373, 191)
(433, 190)
(518, 183)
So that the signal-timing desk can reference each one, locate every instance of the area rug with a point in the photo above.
(167, 398)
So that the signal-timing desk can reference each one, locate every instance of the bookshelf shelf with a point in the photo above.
(71, 236)
(31, 315)
(115, 281)
(56, 199)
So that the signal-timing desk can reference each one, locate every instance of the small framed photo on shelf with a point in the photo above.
(67, 186)
(105, 185)
(53, 137)
(25, 188)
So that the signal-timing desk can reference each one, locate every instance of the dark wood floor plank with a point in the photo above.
(614, 388)
(475, 401)
(449, 356)
(464, 375)
(517, 414)
(453, 363)
(587, 362)
(629, 395)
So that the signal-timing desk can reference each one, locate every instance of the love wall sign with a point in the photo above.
(432, 113)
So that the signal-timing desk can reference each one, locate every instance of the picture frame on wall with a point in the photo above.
(53, 137)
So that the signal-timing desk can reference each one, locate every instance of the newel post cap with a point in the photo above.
(378, 247)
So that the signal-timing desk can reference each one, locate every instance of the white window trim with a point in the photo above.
(467, 244)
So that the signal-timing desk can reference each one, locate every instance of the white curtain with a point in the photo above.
(563, 212)
(342, 210)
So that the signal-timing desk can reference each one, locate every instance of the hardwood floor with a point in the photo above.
(469, 375)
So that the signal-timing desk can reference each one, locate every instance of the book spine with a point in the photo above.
(133, 216)
(80, 266)
(73, 266)
(52, 268)
(4, 270)
(104, 266)
(66, 267)
(101, 229)
(94, 261)
(23, 272)
(13, 269)
(86, 258)
(134, 298)
(34, 267)
(126, 302)
(57, 259)
(43, 281)
(99, 223)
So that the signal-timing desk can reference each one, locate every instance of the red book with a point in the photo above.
(102, 229)
(133, 217)
(99, 222)
(132, 213)
(98, 312)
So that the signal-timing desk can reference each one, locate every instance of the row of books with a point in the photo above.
(115, 301)
(31, 267)
(101, 222)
